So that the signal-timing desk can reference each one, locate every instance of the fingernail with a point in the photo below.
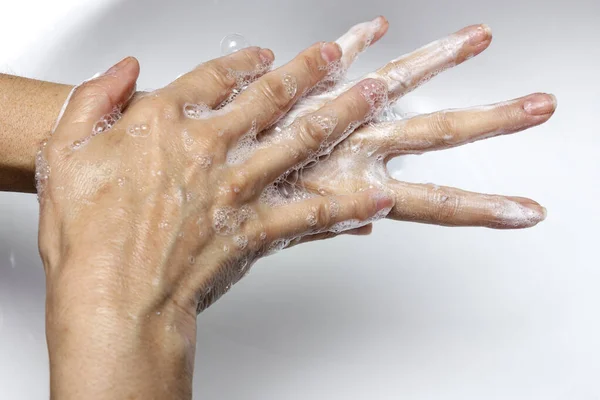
(331, 52)
(381, 27)
(378, 21)
(527, 212)
(266, 56)
(479, 34)
(382, 201)
(118, 66)
(540, 104)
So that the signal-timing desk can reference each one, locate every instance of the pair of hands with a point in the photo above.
(154, 204)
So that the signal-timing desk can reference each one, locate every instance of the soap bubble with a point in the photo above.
(232, 43)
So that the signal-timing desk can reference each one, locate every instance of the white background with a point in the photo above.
(414, 311)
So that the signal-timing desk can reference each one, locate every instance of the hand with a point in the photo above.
(359, 161)
(149, 213)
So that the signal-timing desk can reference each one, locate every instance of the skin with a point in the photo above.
(136, 228)
(379, 141)
(359, 161)
(20, 133)
(138, 232)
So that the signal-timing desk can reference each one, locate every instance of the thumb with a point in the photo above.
(95, 98)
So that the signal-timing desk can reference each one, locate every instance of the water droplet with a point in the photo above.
(13, 262)
(141, 130)
(202, 160)
(241, 241)
(77, 144)
(197, 111)
(163, 225)
(232, 43)
(290, 84)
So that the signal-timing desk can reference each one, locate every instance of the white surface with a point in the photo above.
(412, 312)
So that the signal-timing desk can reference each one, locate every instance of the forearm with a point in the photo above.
(28, 111)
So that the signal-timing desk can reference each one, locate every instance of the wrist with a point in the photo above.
(129, 348)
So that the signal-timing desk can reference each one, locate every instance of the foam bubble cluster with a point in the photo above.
(227, 220)
(203, 161)
(246, 145)
(241, 241)
(197, 111)
(282, 192)
(138, 130)
(376, 95)
(42, 169)
(107, 121)
(277, 245)
(290, 84)
(244, 78)
(355, 223)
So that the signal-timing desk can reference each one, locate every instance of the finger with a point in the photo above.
(270, 97)
(447, 206)
(412, 70)
(362, 231)
(95, 99)
(215, 81)
(308, 137)
(359, 37)
(352, 43)
(321, 214)
(451, 128)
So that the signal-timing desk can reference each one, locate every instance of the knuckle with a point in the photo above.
(157, 106)
(310, 133)
(92, 91)
(443, 127)
(357, 107)
(445, 206)
(361, 209)
(509, 114)
(310, 66)
(251, 56)
(274, 94)
(354, 105)
(236, 188)
(217, 73)
(322, 215)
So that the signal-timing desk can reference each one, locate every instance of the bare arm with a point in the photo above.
(28, 110)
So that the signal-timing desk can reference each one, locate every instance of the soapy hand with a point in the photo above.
(151, 208)
(359, 161)
(175, 190)
(153, 205)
